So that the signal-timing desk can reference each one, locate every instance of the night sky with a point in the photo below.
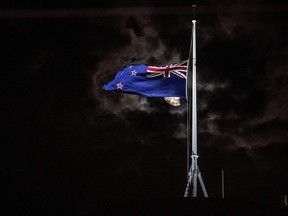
(68, 142)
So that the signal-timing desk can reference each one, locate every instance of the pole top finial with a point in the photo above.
(194, 13)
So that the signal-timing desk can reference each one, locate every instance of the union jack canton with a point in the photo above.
(177, 69)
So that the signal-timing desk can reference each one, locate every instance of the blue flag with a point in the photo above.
(151, 81)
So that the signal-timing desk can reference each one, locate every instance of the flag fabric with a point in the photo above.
(151, 81)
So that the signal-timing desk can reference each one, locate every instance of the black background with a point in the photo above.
(68, 143)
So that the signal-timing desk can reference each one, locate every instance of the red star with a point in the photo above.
(133, 73)
(119, 85)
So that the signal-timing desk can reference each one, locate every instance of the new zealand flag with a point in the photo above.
(151, 81)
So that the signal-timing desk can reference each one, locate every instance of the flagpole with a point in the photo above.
(189, 121)
(193, 171)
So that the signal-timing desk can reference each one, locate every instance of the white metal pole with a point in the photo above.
(194, 112)
(191, 92)
(190, 163)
